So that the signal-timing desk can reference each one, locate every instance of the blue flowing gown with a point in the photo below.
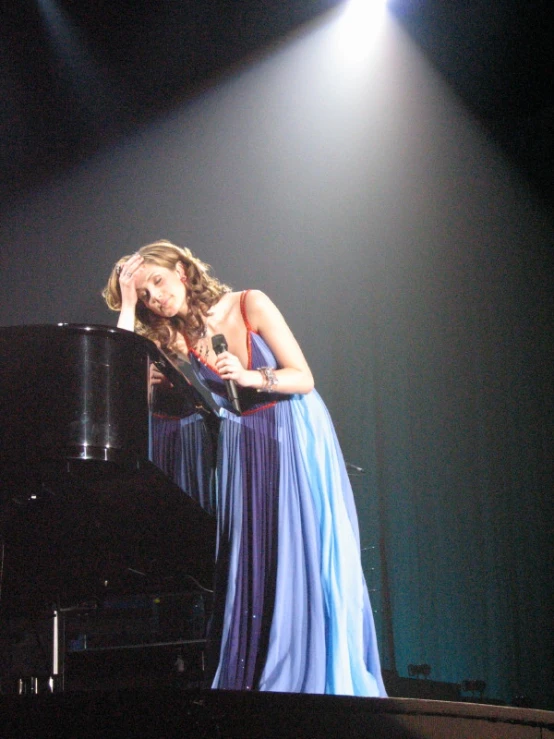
(291, 611)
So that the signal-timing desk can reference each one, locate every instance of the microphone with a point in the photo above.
(219, 345)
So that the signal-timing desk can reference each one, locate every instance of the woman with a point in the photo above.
(291, 608)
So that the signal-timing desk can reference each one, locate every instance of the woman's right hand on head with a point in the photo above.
(129, 296)
(127, 278)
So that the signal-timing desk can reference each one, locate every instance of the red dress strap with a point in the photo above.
(243, 296)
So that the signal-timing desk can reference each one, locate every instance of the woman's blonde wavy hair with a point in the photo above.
(203, 291)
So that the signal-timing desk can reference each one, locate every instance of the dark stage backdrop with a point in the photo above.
(416, 270)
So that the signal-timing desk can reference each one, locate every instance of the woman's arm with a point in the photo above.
(129, 295)
(294, 374)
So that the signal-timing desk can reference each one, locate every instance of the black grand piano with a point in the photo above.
(86, 517)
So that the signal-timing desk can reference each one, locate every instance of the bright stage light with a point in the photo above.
(365, 11)
(359, 24)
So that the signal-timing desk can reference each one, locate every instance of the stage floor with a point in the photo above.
(218, 714)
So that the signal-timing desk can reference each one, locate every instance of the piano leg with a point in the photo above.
(56, 679)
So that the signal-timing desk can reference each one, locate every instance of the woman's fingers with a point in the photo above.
(129, 269)
(228, 366)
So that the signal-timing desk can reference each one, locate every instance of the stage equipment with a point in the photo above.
(475, 687)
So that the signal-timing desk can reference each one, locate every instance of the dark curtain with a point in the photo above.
(456, 502)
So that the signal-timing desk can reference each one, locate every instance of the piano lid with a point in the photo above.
(72, 391)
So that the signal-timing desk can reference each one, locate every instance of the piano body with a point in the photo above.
(85, 516)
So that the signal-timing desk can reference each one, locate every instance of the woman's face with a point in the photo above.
(162, 290)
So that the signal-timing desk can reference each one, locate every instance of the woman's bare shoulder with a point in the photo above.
(257, 299)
